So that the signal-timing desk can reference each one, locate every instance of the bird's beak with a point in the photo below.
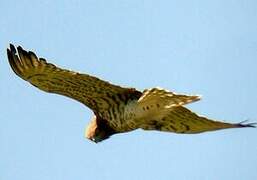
(93, 140)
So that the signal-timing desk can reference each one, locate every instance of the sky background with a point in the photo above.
(194, 47)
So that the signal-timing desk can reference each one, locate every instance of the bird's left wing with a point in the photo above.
(97, 94)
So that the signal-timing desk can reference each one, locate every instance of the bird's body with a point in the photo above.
(116, 109)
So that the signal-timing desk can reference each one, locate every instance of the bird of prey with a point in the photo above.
(116, 109)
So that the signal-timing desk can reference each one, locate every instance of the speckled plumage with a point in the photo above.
(117, 109)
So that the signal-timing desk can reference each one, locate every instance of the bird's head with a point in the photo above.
(97, 130)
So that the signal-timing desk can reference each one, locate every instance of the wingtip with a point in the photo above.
(198, 97)
(244, 124)
(19, 47)
(12, 48)
(20, 50)
(11, 52)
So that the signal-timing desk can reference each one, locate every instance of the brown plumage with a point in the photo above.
(116, 109)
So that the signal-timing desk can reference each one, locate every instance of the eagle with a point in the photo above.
(116, 109)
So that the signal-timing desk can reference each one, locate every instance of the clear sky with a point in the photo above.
(194, 47)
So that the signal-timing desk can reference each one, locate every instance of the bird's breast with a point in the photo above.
(122, 118)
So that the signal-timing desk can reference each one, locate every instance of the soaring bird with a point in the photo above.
(116, 109)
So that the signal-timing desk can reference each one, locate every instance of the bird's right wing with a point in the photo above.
(182, 120)
(159, 109)
(97, 94)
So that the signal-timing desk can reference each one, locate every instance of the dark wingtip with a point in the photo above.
(12, 48)
(19, 48)
(11, 52)
(244, 124)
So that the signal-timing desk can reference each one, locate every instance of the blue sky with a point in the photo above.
(194, 47)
